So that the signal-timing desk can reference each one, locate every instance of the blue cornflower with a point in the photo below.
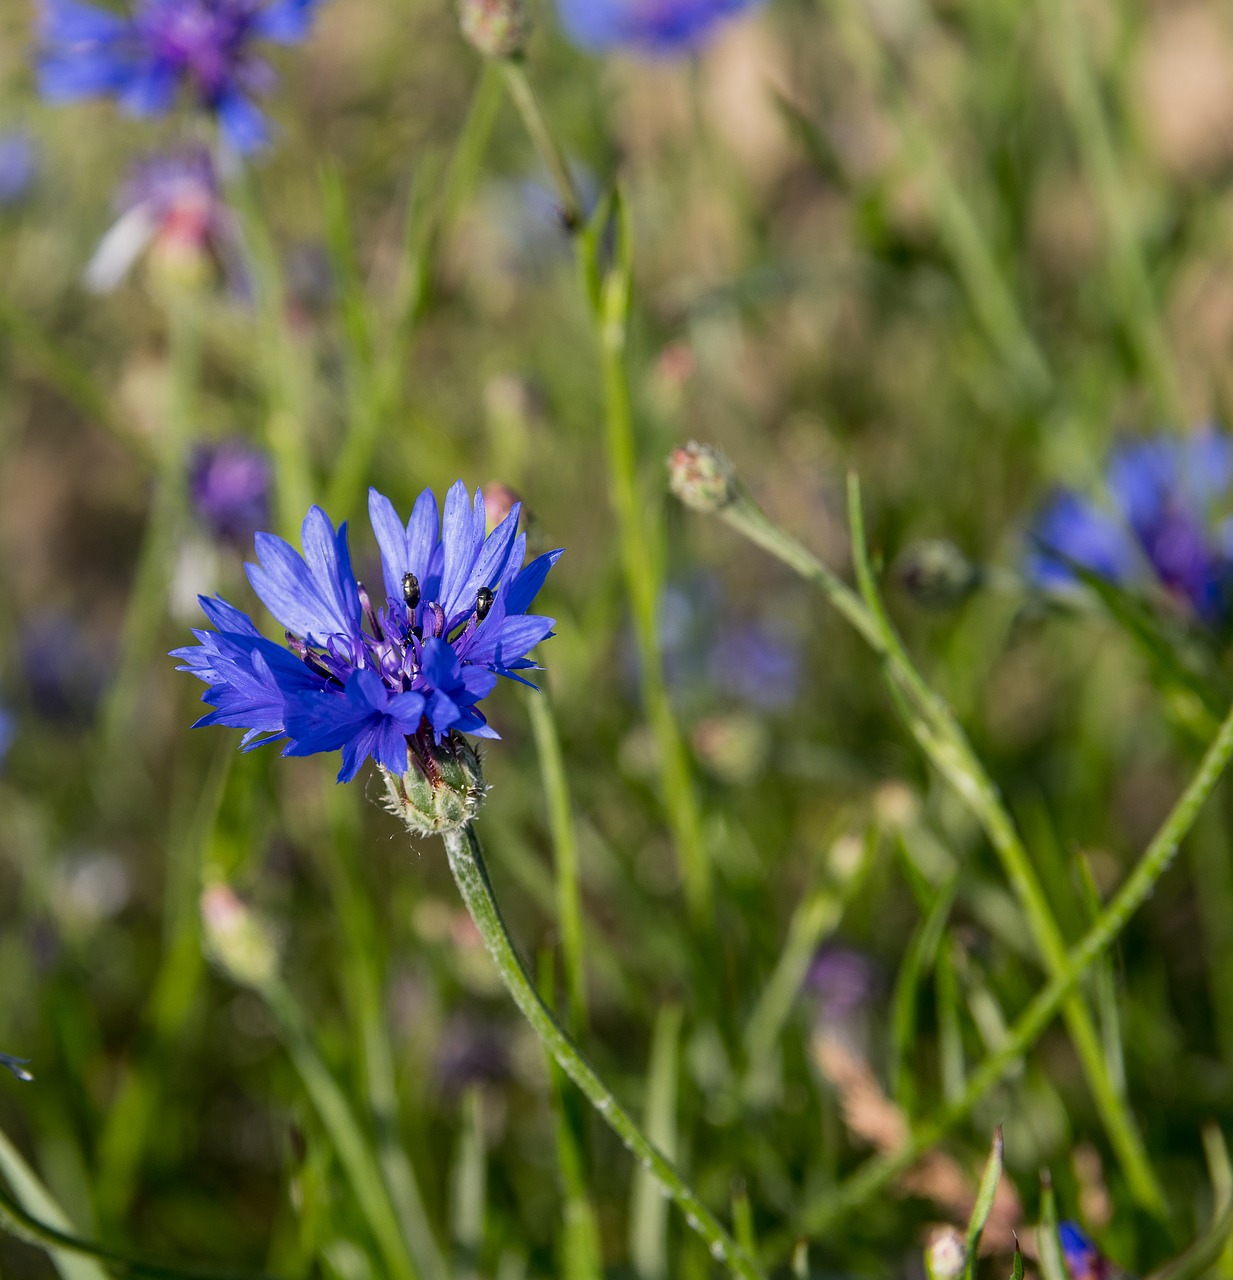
(664, 27)
(368, 680)
(1164, 524)
(229, 483)
(1083, 1260)
(144, 59)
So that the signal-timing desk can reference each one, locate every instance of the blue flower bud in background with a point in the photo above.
(166, 47)
(662, 27)
(18, 166)
(374, 680)
(1163, 525)
(229, 485)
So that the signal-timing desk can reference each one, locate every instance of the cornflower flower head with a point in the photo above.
(378, 681)
(146, 59)
(1083, 1260)
(1163, 524)
(170, 205)
(229, 484)
(666, 28)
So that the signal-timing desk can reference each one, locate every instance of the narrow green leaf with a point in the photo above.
(986, 1193)
(648, 1224)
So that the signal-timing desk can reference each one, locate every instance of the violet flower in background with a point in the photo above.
(470, 1051)
(373, 681)
(171, 205)
(1083, 1260)
(229, 485)
(166, 47)
(1165, 524)
(64, 668)
(841, 984)
(665, 28)
(18, 166)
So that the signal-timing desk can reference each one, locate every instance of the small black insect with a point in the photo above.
(410, 590)
(483, 602)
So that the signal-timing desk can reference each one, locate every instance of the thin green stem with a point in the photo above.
(934, 726)
(349, 1140)
(880, 1172)
(641, 556)
(466, 861)
(18, 1221)
(542, 139)
(376, 376)
(565, 851)
(1063, 27)
(146, 610)
(286, 378)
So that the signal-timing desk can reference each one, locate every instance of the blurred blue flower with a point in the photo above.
(1083, 1260)
(1166, 524)
(8, 730)
(17, 1066)
(145, 59)
(171, 204)
(454, 619)
(64, 667)
(229, 484)
(755, 664)
(663, 27)
(18, 165)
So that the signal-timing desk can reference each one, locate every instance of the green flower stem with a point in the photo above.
(471, 875)
(608, 294)
(880, 1172)
(1063, 27)
(348, 1138)
(376, 374)
(957, 224)
(147, 603)
(542, 139)
(286, 378)
(944, 742)
(65, 1247)
(565, 849)
(641, 558)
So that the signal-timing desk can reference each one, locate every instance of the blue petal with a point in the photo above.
(525, 587)
(462, 536)
(243, 126)
(285, 21)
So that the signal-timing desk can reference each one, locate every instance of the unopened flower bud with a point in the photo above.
(946, 1255)
(937, 575)
(442, 789)
(499, 501)
(495, 28)
(237, 939)
(702, 476)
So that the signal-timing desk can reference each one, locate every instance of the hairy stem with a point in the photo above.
(466, 860)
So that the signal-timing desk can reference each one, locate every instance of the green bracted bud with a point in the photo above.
(703, 477)
(946, 1254)
(237, 939)
(442, 789)
(495, 28)
(936, 574)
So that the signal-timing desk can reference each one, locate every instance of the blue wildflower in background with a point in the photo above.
(144, 60)
(371, 680)
(1083, 1260)
(229, 484)
(1166, 524)
(8, 730)
(663, 27)
(18, 165)
(171, 205)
